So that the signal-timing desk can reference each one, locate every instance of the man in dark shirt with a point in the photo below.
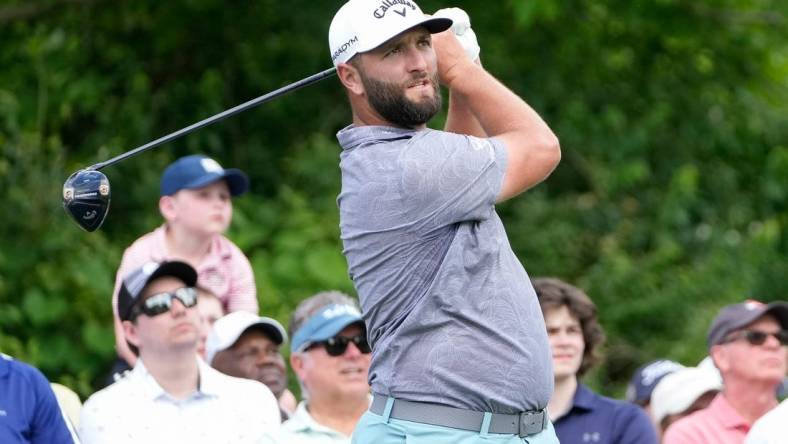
(580, 415)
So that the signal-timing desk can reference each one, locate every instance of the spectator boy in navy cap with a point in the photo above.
(197, 209)
(747, 342)
(172, 395)
(579, 414)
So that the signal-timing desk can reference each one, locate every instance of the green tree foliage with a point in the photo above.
(670, 201)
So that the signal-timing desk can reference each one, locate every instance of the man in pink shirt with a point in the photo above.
(747, 342)
(197, 209)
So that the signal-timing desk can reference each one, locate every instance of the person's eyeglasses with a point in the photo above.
(162, 302)
(337, 345)
(757, 337)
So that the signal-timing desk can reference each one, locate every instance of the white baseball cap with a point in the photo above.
(227, 329)
(363, 25)
(677, 391)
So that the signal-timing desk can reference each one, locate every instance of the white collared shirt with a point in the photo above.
(136, 409)
(301, 428)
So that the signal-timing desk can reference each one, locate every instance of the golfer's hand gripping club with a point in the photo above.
(461, 27)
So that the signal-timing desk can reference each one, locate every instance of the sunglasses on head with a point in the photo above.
(337, 345)
(757, 337)
(162, 302)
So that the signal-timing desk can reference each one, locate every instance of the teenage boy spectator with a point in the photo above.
(197, 209)
(645, 378)
(580, 415)
(747, 342)
(330, 356)
(245, 345)
(29, 412)
(172, 395)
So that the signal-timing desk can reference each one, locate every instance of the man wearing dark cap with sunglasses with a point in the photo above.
(747, 342)
(171, 395)
(330, 356)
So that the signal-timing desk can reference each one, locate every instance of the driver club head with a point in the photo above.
(86, 198)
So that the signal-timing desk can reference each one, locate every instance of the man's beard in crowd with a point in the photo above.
(389, 100)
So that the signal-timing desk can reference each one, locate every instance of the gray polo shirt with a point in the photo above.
(451, 313)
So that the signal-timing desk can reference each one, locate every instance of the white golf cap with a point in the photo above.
(227, 329)
(363, 25)
(677, 391)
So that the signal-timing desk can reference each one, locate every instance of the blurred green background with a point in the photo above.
(671, 199)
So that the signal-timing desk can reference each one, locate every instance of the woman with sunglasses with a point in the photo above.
(172, 395)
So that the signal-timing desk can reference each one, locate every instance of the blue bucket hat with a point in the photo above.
(197, 171)
(324, 324)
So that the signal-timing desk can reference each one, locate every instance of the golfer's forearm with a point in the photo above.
(532, 149)
(460, 118)
(498, 109)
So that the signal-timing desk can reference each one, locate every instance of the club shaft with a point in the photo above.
(216, 118)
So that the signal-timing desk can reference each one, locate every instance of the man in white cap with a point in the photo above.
(460, 350)
(245, 345)
(171, 395)
(747, 342)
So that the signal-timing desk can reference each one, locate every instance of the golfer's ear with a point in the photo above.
(350, 78)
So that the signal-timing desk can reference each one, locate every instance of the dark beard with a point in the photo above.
(389, 100)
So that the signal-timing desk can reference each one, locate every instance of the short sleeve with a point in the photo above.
(449, 178)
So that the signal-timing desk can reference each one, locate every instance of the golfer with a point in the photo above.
(460, 351)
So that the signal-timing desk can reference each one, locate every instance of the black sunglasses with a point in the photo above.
(337, 345)
(162, 302)
(757, 337)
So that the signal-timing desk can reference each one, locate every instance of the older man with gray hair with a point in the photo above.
(330, 356)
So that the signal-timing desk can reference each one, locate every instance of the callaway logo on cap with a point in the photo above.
(363, 25)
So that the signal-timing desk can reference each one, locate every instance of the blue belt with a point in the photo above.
(522, 424)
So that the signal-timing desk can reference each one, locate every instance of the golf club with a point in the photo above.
(86, 193)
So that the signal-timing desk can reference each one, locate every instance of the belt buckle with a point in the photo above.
(530, 423)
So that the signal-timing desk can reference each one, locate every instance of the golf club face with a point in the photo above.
(86, 198)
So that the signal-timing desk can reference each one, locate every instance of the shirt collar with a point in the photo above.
(728, 416)
(216, 253)
(584, 398)
(302, 421)
(352, 136)
(208, 385)
(5, 364)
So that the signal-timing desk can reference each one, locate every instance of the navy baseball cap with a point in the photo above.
(646, 378)
(197, 171)
(324, 324)
(736, 316)
(136, 281)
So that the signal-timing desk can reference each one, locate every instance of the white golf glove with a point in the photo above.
(461, 27)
